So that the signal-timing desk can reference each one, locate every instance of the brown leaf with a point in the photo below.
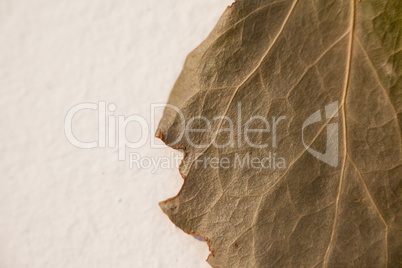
(332, 69)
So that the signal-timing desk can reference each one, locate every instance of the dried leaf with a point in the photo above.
(332, 69)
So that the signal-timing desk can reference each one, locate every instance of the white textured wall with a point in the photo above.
(61, 206)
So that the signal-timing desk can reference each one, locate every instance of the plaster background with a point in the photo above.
(61, 206)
